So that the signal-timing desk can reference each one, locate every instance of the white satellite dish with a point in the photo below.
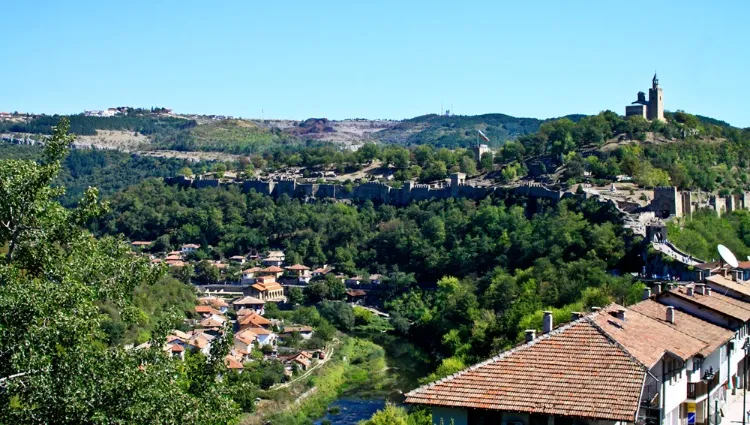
(727, 256)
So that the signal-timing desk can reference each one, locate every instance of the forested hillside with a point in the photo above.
(700, 234)
(107, 170)
(507, 267)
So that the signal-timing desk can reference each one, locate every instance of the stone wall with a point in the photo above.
(374, 191)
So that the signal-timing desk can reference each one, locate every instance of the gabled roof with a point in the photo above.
(206, 309)
(252, 270)
(297, 267)
(253, 318)
(232, 363)
(714, 336)
(272, 269)
(356, 293)
(271, 286)
(727, 306)
(191, 245)
(575, 371)
(249, 301)
(725, 283)
(646, 339)
(245, 337)
(258, 331)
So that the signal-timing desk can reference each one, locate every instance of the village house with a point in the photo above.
(356, 296)
(248, 275)
(233, 363)
(239, 259)
(140, 245)
(219, 304)
(321, 271)
(376, 279)
(250, 303)
(300, 272)
(353, 281)
(274, 258)
(673, 357)
(575, 374)
(274, 271)
(188, 248)
(249, 319)
(306, 332)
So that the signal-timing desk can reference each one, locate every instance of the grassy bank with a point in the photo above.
(357, 364)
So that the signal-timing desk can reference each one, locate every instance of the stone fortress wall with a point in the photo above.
(668, 201)
(377, 192)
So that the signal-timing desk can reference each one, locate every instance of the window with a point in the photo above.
(697, 364)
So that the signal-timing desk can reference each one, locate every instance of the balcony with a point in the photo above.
(696, 390)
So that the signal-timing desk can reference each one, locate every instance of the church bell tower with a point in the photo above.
(655, 101)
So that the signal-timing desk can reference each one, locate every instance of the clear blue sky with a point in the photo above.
(374, 59)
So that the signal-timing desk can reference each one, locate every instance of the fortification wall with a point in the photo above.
(199, 184)
(265, 188)
(285, 187)
(374, 191)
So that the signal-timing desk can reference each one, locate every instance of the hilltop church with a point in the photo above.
(651, 110)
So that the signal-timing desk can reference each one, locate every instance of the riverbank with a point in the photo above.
(366, 367)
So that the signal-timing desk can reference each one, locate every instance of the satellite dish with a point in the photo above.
(727, 256)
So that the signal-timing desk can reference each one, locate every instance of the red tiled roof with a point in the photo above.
(252, 270)
(297, 267)
(725, 283)
(356, 293)
(290, 329)
(249, 301)
(574, 371)
(728, 306)
(232, 363)
(646, 339)
(714, 336)
(253, 318)
(272, 269)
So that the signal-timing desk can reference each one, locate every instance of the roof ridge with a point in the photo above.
(508, 352)
(615, 343)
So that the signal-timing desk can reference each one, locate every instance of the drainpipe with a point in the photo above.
(663, 393)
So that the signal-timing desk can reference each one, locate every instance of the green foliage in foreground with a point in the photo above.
(55, 365)
(394, 415)
(700, 234)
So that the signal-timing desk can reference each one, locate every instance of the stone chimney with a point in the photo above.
(707, 290)
(700, 289)
(689, 290)
(530, 334)
(547, 322)
(595, 309)
(575, 316)
(647, 293)
(620, 314)
(670, 314)
(657, 289)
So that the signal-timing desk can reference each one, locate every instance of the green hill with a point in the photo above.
(461, 131)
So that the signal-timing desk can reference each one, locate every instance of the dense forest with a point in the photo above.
(107, 170)
(494, 265)
(700, 234)
(141, 122)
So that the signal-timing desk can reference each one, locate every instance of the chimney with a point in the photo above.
(670, 314)
(575, 316)
(657, 289)
(595, 309)
(621, 314)
(707, 290)
(547, 322)
(647, 293)
(690, 290)
(700, 289)
(530, 334)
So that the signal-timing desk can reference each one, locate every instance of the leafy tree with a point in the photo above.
(295, 296)
(54, 364)
(206, 273)
(339, 313)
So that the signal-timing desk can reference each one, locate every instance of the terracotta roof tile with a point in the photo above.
(646, 339)
(297, 267)
(575, 370)
(714, 336)
(725, 283)
(728, 306)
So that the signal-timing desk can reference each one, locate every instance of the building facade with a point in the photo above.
(653, 109)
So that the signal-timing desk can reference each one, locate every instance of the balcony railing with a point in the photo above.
(696, 390)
